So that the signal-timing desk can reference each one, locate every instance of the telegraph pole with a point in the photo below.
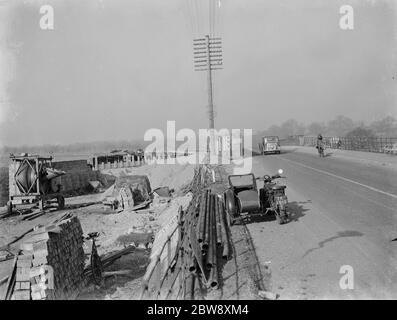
(207, 57)
(209, 81)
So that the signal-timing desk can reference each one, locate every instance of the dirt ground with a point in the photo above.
(112, 227)
(242, 276)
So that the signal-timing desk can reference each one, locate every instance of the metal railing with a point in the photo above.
(368, 144)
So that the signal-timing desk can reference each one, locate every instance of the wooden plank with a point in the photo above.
(26, 216)
(36, 216)
(7, 246)
(11, 279)
(4, 280)
(116, 273)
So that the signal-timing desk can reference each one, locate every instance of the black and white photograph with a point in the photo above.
(214, 152)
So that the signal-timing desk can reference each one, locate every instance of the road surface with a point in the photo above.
(344, 218)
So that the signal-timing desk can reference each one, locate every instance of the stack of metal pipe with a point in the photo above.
(204, 241)
(212, 237)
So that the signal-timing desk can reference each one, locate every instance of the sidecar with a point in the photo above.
(243, 198)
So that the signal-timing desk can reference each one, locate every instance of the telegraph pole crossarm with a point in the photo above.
(207, 57)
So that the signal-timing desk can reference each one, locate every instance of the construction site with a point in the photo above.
(159, 232)
(196, 150)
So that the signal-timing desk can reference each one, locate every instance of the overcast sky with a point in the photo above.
(112, 69)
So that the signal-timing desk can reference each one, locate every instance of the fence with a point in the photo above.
(113, 161)
(368, 144)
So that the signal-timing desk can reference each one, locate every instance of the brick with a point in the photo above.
(17, 285)
(40, 253)
(22, 294)
(24, 263)
(22, 274)
(41, 245)
(38, 287)
(36, 271)
(38, 237)
(25, 257)
(25, 285)
(36, 296)
(28, 247)
(38, 261)
(43, 294)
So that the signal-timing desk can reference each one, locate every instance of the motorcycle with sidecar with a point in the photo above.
(243, 198)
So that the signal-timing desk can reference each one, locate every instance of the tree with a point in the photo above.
(386, 127)
(340, 126)
(361, 138)
(291, 128)
(361, 132)
(316, 128)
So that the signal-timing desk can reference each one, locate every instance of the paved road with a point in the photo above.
(344, 213)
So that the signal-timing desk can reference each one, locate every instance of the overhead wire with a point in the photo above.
(187, 13)
(198, 15)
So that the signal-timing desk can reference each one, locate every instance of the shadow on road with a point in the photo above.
(288, 150)
(296, 209)
(341, 234)
(255, 153)
(257, 218)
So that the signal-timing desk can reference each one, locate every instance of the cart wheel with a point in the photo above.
(61, 202)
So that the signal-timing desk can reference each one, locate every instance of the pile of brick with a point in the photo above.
(51, 263)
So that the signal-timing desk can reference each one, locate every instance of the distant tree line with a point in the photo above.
(341, 126)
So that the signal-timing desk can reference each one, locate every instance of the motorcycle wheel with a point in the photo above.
(278, 218)
(281, 213)
(284, 216)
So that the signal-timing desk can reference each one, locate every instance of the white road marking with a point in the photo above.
(343, 178)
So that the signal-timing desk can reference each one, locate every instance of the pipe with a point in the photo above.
(212, 238)
(222, 221)
(191, 262)
(225, 229)
(202, 216)
(193, 266)
(213, 281)
(189, 287)
(206, 241)
(218, 221)
(213, 278)
(173, 282)
(198, 295)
